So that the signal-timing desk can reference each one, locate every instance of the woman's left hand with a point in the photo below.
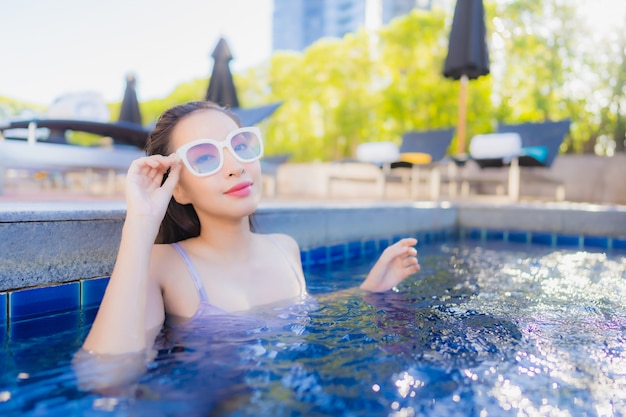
(145, 195)
(397, 262)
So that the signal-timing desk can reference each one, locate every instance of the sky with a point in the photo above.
(54, 47)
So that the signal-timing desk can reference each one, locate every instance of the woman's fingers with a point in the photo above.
(411, 263)
(153, 167)
(405, 255)
(172, 176)
(146, 192)
(158, 162)
(396, 263)
(403, 247)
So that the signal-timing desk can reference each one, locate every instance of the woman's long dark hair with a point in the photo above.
(181, 220)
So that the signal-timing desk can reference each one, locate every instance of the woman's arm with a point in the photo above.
(132, 305)
(396, 263)
(121, 323)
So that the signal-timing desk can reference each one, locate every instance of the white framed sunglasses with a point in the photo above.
(204, 157)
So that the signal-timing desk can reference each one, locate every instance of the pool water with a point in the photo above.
(485, 328)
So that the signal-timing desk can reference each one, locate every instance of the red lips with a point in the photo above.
(240, 190)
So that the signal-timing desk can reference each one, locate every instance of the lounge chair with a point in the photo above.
(371, 165)
(50, 154)
(515, 155)
(381, 163)
(420, 160)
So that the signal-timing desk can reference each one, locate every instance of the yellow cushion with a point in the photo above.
(416, 158)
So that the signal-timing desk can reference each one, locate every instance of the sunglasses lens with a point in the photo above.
(204, 158)
(247, 146)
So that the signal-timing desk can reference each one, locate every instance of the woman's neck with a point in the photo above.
(225, 236)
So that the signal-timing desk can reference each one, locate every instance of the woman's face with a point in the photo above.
(233, 191)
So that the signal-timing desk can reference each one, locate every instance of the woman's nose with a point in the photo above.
(232, 166)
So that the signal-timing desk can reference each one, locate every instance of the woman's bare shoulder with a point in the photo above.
(162, 260)
(286, 241)
(161, 250)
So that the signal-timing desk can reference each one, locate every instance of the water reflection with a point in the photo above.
(482, 330)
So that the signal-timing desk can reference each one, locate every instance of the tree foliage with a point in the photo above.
(374, 86)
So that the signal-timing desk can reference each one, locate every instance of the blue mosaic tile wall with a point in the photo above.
(355, 249)
(31, 303)
(545, 238)
(34, 303)
(18, 307)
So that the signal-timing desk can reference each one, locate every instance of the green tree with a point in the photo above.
(550, 65)
(367, 87)
(417, 96)
(376, 86)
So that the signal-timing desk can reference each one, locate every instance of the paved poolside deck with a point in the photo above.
(45, 194)
(296, 186)
(39, 223)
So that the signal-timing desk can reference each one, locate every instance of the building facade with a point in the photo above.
(299, 23)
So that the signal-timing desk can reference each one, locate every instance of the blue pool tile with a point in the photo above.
(88, 316)
(444, 235)
(568, 240)
(36, 302)
(3, 317)
(515, 236)
(542, 238)
(3, 309)
(370, 247)
(397, 238)
(619, 243)
(383, 243)
(305, 257)
(435, 236)
(474, 234)
(318, 255)
(93, 291)
(596, 242)
(355, 249)
(494, 235)
(337, 252)
(42, 327)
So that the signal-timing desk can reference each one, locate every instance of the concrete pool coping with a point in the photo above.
(43, 244)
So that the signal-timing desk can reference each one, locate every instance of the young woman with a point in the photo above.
(194, 196)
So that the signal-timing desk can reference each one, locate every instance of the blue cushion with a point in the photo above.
(540, 153)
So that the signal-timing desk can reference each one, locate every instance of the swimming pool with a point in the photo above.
(479, 326)
(487, 327)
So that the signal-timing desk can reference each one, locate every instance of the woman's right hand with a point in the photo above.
(145, 196)
(396, 263)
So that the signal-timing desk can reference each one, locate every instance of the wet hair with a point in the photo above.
(181, 220)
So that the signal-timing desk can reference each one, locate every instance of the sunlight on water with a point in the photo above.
(570, 308)
(484, 329)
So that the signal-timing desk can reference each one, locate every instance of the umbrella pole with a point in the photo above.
(460, 148)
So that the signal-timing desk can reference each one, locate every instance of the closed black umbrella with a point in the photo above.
(223, 92)
(221, 86)
(129, 111)
(468, 56)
